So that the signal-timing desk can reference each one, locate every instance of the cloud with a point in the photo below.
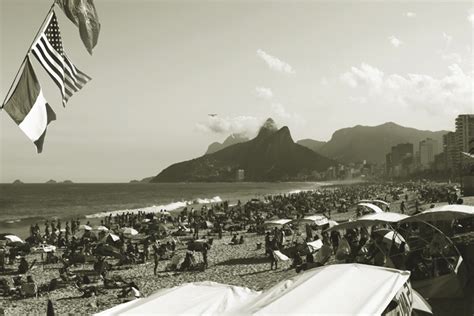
(470, 18)
(448, 39)
(324, 81)
(264, 93)
(452, 93)
(360, 100)
(453, 58)
(395, 41)
(365, 75)
(286, 117)
(274, 63)
(410, 14)
(247, 125)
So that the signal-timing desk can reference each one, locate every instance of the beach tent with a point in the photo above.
(318, 220)
(199, 298)
(446, 212)
(339, 289)
(371, 207)
(276, 223)
(375, 202)
(370, 220)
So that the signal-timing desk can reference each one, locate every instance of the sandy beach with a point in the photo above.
(242, 265)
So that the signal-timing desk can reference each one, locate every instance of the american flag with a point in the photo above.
(49, 51)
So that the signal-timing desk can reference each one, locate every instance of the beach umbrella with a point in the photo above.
(85, 227)
(129, 231)
(101, 228)
(110, 237)
(14, 239)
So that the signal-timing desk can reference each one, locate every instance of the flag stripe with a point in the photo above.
(51, 73)
(52, 53)
(49, 51)
(35, 122)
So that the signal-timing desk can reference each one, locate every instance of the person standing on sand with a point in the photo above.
(273, 258)
(156, 258)
(402, 207)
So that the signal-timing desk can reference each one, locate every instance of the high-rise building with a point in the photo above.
(465, 132)
(400, 160)
(428, 149)
(400, 152)
(450, 151)
(462, 140)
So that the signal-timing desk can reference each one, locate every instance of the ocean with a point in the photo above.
(24, 204)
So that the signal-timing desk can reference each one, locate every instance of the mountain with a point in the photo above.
(231, 140)
(271, 156)
(314, 145)
(372, 143)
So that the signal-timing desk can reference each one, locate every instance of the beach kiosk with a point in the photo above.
(339, 289)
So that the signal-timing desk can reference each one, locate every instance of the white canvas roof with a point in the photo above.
(276, 222)
(371, 219)
(200, 298)
(445, 212)
(340, 289)
(376, 201)
(319, 220)
(372, 207)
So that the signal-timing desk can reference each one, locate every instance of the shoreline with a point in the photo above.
(20, 227)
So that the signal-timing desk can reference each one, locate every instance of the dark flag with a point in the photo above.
(28, 108)
(48, 49)
(84, 15)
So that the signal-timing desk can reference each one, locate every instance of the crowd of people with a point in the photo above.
(131, 238)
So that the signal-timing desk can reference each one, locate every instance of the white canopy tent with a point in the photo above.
(200, 298)
(370, 220)
(371, 207)
(445, 212)
(340, 289)
(318, 220)
(375, 201)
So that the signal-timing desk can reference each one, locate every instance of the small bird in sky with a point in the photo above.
(212, 115)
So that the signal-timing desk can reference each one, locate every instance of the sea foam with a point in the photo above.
(158, 208)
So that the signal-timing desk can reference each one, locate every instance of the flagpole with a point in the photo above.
(27, 53)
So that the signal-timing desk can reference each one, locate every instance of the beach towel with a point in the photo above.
(279, 256)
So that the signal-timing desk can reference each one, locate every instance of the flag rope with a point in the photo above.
(27, 53)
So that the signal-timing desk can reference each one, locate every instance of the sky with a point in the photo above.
(161, 67)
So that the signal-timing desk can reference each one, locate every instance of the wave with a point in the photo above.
(158, 208)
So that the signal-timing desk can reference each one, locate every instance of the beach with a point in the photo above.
(242, 265)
